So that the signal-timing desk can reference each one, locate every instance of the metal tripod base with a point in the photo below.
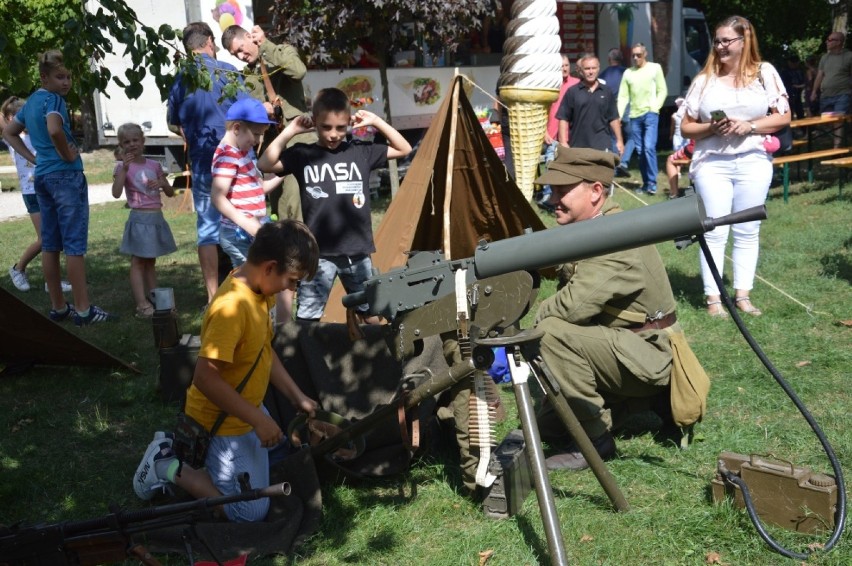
(518, 346)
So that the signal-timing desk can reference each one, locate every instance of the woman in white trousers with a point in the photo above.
(732, 108)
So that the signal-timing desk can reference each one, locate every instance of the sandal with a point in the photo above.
(716, 310)
(145, 312)
(747, 307)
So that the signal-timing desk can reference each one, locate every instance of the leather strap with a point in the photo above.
(223, 415)
(657, 324)
(412, 443)
(267, 84)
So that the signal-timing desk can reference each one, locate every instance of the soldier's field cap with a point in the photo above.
(573, 165)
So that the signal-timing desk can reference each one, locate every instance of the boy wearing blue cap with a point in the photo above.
(238, 190)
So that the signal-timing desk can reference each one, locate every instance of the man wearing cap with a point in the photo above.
(606, 329)
(275, 78)
(199, 117)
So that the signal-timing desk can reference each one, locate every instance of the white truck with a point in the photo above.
(675, 37)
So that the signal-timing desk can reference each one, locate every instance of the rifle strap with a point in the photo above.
(267, 84)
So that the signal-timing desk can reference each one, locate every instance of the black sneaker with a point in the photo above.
(60, 316)
(96, 314)
(622, 172)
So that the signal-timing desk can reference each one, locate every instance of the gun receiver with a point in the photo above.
(428, 276)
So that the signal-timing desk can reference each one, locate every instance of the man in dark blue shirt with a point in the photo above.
(590, 110)
(199, 117)
(611, 76)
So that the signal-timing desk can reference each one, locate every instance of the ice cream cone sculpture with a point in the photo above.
(530, 77)
(528, 112)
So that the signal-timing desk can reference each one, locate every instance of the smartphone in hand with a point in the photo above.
(718, 115)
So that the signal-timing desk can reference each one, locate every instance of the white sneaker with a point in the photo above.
(145, 480)
(66, 287)
(19, 278)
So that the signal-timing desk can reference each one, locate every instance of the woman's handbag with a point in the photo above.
(785, 134)
(192, 440)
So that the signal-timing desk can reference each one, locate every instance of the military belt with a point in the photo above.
(657, 324)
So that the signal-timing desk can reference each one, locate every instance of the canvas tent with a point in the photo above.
(27, 337)
(456, 192)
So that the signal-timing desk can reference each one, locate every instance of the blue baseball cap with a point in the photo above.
(248, 109)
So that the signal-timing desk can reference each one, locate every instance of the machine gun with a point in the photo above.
(108, 539)
(496, 304)
(482, 299)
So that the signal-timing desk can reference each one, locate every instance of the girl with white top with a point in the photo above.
(732, 163)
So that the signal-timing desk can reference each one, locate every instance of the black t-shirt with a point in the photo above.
(334, 187)
(589, 114)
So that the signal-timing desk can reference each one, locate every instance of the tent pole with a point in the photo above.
(451, 151)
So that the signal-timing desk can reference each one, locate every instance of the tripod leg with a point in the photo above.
(543, 490)
(575, 429)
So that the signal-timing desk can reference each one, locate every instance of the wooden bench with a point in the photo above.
(842, 163)
(785, 161)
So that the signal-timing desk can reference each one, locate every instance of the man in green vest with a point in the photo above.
(285, 71)
(610, 327)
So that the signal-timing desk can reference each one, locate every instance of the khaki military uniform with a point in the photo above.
(286, 71)
(588, 343)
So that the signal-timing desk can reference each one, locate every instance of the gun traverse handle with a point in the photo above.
(747, 215)
(352, 300)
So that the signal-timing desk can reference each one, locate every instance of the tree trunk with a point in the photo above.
(89, 122)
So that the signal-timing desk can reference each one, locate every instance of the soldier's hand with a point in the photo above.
(257, 35)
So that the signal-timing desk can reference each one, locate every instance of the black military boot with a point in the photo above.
(573, 459)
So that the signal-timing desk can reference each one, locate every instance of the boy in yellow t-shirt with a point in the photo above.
(236, 333)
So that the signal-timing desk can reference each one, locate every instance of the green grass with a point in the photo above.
(70, 438)
(98, 165)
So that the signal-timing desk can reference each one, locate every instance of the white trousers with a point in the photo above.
(726, 184)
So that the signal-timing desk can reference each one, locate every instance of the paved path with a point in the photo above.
(12, 205)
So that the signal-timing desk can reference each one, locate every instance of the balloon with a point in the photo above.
(238, 14)
(226, 21)
(227, 9)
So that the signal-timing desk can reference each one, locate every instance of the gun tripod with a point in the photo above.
(520, 347)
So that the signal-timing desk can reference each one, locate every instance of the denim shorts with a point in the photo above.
(838, 104)
(63, 197)
(313, 295)
(207, 216)
(31, 203)
(235, 242)
(230, 456)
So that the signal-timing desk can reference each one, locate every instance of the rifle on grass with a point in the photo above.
(109, 539)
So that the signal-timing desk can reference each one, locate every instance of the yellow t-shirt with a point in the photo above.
(237, 324)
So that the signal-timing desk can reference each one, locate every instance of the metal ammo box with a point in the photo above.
(177, 364)
(510, 463)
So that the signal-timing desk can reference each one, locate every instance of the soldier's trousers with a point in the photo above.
(595, 364)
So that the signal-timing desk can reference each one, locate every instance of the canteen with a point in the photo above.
(163, 298)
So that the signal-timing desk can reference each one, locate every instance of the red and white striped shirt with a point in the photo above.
(246, 192)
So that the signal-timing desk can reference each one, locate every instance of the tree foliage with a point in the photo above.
(84, 36)
(328, 31)
(778, 24)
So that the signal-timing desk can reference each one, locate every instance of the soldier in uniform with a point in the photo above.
(285, 70)
(609, 327)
